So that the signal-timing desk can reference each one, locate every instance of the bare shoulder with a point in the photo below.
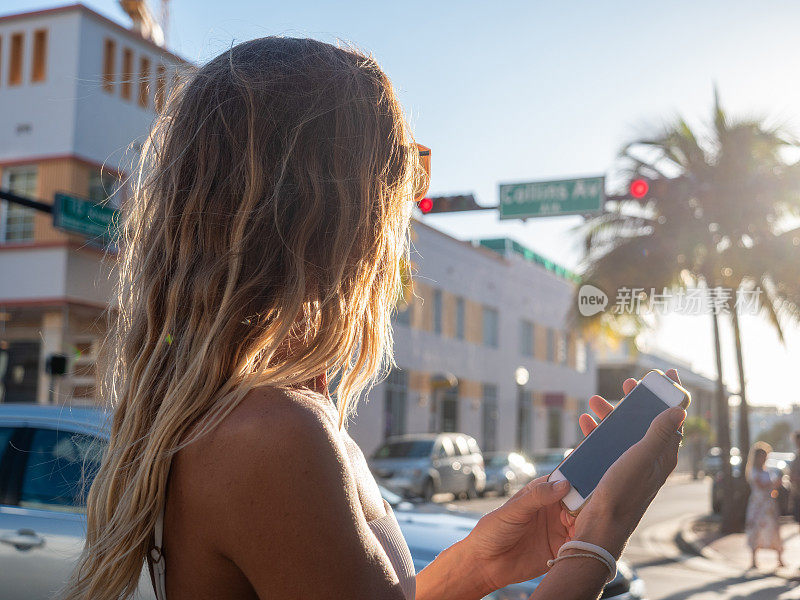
(272, 490)
(271, 416)
(269, 434)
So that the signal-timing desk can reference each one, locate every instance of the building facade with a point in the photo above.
(78, 95)
(617, 363)
(478, 316)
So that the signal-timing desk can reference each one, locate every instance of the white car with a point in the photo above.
(48, 458)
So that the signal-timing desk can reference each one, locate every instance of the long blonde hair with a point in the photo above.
(262, 247)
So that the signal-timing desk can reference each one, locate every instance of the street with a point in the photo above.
(672, 575)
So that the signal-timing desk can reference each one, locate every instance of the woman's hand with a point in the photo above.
(629, 486)
(514, 542)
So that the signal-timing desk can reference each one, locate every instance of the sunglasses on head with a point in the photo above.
(425, 162)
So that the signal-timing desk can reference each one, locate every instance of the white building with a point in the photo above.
(479, 315)
(78, 94)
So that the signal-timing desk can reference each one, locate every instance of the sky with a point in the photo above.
(513, 91)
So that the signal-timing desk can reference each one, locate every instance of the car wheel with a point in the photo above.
(428, 490)
(472, 489)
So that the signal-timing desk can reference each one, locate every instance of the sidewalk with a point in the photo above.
(701, 537)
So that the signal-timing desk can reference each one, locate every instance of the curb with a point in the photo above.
(689, 543)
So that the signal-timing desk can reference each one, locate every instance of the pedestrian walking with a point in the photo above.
(762, 526)
(260, 256)
(794, 479)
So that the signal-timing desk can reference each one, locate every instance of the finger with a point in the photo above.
(600, 407)
(564, 521)
(662, 435)
(587, 423)
(521, 508)
(673, 374)
(628, 385)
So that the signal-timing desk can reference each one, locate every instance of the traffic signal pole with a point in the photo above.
(27, 202)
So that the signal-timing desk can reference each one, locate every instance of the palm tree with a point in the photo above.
(721, 206)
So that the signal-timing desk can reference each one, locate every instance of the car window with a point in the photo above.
(60, 468)
(407, 449)
(446, 448)
(498, 460)
(5, 436)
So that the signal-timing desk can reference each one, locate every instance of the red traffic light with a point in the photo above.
(639, 188)
(425, 205)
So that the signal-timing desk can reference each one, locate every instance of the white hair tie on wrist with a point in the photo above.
(594, 551)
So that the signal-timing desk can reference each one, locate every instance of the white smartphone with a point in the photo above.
(621, 429)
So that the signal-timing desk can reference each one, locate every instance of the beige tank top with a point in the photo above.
(385, 529)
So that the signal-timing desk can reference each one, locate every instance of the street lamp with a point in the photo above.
(521, 376)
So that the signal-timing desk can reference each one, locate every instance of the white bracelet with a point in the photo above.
(596, 552)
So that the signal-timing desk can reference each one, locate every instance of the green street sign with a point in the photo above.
(94, 221)
(552, 198)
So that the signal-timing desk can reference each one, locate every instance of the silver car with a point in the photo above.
(427, 464)
(48, 457)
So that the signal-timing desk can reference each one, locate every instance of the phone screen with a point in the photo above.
(620, 430)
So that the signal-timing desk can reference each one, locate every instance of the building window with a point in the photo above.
(39, 69)
(449, 409)
(15, 63)
(144, 81)
(161, 87)
(394, 408)
(17, 222)
(402, 315)
(524, 409)
(580, 355)
(551, 345)
(127, 74)
(109, 66)
(489, 417)
(103, 187)
(491, 320)
(561, 347)
(460, 318)
(437, 311)
(526, 338)
(554, 427)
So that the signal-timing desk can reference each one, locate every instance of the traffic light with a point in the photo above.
(639, 188)
(56, 364)
(449, 204)
(426, 205)
(644, 189)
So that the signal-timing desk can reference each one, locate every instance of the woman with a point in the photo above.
(761, 526)
(260, 257)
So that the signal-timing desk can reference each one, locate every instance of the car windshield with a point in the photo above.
(549, 457)
(390, 496)
(498, 460)
(406, 449)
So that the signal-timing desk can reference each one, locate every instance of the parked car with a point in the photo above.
(547, 460)
(44, 453)
(430, 528)
(506, 471)
(778, 464)
(428, 464)
(712, 462)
